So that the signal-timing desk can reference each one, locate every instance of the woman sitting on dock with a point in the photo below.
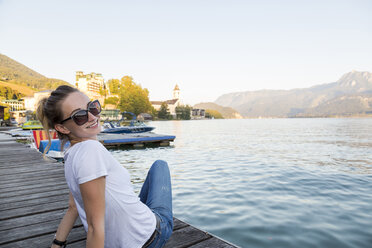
(100, 189)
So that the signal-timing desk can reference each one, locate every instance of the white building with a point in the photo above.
(172, 104)
(90, 84)
(14, 105)
(30, 103)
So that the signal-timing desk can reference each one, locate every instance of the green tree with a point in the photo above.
(102, 91)
(153, 112)
(209, 113)
(163, 111)
(133, 97)
(8, 93)
(112, 100)
(183, 112)
(113, 86)
(6, 112)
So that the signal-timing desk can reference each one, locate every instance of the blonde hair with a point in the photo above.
(49, 113)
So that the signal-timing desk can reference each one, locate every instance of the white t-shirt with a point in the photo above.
(128, 222)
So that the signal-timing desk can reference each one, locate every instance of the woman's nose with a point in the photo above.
(91, 117)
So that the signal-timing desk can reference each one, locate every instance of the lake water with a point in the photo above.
(269, 182)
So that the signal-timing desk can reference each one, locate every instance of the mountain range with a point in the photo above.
(351, 95)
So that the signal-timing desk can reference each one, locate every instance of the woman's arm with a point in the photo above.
(93, 193)
(67, 221)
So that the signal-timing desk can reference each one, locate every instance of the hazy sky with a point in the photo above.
(207, 47)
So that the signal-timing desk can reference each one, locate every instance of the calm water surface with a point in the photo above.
(270, 182)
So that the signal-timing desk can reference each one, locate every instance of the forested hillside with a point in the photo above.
(14, 72)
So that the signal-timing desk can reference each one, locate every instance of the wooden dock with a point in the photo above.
(34, 197)
(134, 139)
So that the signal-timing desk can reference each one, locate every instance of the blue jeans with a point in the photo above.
(156, 193)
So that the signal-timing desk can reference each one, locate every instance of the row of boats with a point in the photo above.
(134, 126)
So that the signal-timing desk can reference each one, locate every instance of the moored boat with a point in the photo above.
(32, 125)
(134, 126)
(110, 127)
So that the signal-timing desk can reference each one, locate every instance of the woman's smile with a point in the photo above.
(94, 124)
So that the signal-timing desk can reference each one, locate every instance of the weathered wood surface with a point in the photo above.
(34, 196)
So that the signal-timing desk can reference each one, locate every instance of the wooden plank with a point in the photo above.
(28, 163)
(79, 244)
(30, 219)
(18, 233)
(9, 185)
(35, 190)
(26, 151)
(25, 158)
(58, 197)
(37, 160)
(186, 237)
(23, 164)
(46, 239)
(6, 140)
(213, 243)
(21, 170)
(32, 210)
(31, 186)
(31, 174)
(34, 196)
(17, 157)
(4, 143)
(15, 151)
(178, 224)
(29, 180)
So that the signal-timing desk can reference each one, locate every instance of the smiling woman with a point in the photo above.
(100, 189)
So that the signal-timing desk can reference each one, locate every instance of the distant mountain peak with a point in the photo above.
(356, 79)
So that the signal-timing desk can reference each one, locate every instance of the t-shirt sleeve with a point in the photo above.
(90, 162)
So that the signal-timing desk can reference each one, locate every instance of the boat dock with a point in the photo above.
(34, 197)
(135, 139)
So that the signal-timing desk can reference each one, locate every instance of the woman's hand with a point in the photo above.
(67, 222)
(93, 193)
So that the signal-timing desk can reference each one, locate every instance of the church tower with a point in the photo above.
(176, 92)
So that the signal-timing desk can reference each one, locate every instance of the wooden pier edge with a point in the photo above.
(34, 197)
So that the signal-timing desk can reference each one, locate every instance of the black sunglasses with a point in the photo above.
(81, 117)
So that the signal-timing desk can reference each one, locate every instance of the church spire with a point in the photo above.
(176, 92)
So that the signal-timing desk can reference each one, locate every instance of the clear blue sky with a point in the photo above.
(208, 47)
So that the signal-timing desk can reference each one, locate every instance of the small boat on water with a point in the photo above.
(32, 125)
(54, 149)
(135, 126)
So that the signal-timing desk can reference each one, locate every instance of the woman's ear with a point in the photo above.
(62, 129)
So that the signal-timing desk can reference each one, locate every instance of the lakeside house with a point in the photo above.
(197, 114)
(30, 102)
(172, 103)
